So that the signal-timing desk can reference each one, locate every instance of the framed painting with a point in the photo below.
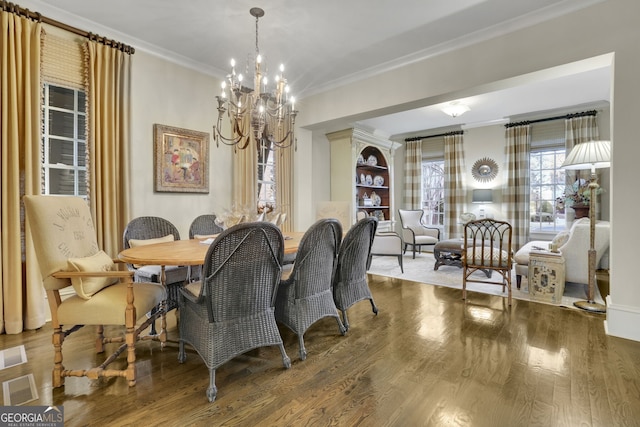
(181, 158)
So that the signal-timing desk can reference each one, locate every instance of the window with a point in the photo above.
(64, 141)
(266, 178)
(547, 179)
(547, 190)
(433, 192)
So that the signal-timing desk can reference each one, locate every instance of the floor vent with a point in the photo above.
(19, 391)
(12, 356)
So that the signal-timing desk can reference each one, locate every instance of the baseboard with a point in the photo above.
(622, 321)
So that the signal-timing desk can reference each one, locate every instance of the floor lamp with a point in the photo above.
(590, 155)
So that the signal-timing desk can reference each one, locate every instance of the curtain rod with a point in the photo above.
(416, 138)
(36, 16)
(548, 119)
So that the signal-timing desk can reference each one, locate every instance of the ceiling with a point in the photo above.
(327, 43)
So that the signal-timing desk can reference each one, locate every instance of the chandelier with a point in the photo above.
(265, 113)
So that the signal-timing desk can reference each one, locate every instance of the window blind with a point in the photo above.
(62, 62)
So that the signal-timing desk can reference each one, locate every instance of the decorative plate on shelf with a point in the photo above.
(360, 159)
(363, 180)
(378, 180)
(372, 160)
(369, 180)
(376, 199)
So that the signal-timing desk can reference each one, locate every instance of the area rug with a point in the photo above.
(421, 270)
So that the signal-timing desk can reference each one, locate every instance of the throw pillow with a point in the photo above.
(86, 287)
(141, 242)
(560, 239)
(205, 236)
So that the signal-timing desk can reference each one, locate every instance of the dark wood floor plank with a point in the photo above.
(428, 358)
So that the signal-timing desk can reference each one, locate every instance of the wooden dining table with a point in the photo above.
(187, 252)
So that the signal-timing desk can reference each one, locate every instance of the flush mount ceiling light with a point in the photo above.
(455, 109)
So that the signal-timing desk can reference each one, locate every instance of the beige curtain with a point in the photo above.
(284, 185)
(245, 173)
(516, 192)
(413, 175)
(22, 300)
(108, 117)
(454, 185)
(578, 130)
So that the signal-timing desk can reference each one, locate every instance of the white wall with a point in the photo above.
(609, 27)
(479, 143)
(168, 94)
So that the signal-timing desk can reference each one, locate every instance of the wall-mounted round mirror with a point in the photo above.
(484, 169)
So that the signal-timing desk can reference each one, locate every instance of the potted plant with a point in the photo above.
(578, 197)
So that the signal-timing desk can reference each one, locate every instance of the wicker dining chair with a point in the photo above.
(66, 246)
(153, 229)
(350, 281)
(203, 226)
(305, 296)
(231, 311)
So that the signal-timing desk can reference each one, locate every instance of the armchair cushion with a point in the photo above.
(488, 257)
(87, 286)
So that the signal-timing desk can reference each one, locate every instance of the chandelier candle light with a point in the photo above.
(268, 116)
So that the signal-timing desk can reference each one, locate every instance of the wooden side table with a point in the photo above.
(546, 276)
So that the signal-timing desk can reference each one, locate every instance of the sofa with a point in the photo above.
(574, 245)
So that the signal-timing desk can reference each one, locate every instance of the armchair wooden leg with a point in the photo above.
(100, 339)
(57, 338)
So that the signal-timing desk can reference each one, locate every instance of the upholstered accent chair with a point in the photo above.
(487, 248)
(305, 296)
(574, 245)
(152, 229)
(350, 281)
(231, 311)
(68, 255)
(414, 233)
(385, 243)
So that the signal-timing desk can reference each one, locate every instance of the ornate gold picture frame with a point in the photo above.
(181, 159)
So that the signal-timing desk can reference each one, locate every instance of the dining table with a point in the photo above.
(186, 252)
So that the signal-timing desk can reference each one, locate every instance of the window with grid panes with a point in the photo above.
(547, 178)
(266, 177)
(64, 141)
(433, 192)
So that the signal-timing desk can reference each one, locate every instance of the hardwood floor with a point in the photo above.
(427, 359)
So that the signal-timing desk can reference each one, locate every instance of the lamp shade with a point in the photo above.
(589, 155)
(482, 196)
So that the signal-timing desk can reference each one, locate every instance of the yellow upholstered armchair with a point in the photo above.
(67, 252)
